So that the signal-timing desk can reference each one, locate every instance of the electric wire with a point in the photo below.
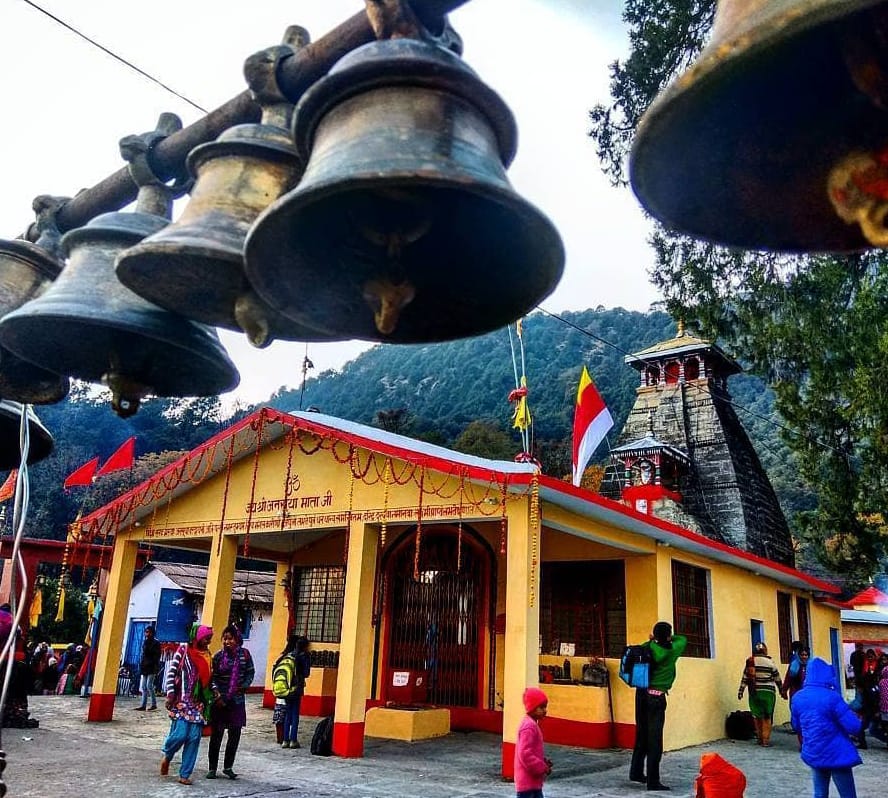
(114, 55)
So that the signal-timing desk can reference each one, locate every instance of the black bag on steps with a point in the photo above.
(322, 739)
(739, 725)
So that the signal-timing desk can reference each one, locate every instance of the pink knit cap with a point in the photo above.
(203, 633)
(533, 698)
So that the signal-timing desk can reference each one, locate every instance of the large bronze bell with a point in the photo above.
(26, 270)
(40, 442)
(404, 227)
(88, 325)
(195, 266)
(739, 149)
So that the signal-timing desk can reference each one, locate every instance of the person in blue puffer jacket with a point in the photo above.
(828, 727)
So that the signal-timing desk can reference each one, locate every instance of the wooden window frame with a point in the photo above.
(691, 608)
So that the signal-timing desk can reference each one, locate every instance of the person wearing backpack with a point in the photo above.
(288, 682)
(650, 706)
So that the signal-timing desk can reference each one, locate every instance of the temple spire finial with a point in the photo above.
(681, 328)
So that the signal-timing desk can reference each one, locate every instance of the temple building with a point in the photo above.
(447, 583)
(683, 454)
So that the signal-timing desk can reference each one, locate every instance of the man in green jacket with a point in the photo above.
(650, 706)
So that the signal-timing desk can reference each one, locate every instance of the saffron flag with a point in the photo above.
(521, 417)
(83, 475)
(60, 612)
(122, 458)
(7, 490)
(592, 420)
(36, 608)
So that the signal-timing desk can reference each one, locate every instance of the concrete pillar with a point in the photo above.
(277, 636)
(521, 647)
(356, 642)
(114, 614)
(220, 580)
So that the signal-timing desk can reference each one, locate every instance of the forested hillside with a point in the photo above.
(452, 393)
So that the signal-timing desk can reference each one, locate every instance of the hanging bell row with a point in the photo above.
(89, 326)
(387, 216)
(777, 136)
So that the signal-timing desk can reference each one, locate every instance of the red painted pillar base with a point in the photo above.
(101, 707)
(508, 765)
(348, 739)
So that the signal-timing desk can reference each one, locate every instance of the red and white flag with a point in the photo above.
(122, 458)
(592, 420)
(82, 476)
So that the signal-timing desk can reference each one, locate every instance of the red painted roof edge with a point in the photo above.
(692, 537)
(278, 416)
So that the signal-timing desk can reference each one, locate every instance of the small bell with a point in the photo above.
(40, 442)
(404, 227)
(195, 266)
(87, 325)
(740, 148)
(26, 270)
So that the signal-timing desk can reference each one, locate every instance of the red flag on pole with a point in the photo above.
(83, 475)
(7, 490)
(592, 420)
(122, 458)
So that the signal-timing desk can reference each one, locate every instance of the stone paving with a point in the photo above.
(66, 755)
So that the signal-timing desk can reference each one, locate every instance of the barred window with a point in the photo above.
(690, 607)
(803, 614)
(784, 625)
(318, 594)
(583, 603)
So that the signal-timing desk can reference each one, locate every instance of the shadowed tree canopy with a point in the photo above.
(815, 328)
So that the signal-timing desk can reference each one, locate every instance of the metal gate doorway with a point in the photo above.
(438, 602)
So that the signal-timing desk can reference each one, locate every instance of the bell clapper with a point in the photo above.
(126, 394)
(252, 317)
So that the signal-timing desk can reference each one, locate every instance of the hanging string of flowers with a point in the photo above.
(383, 527)
(418, 528)
(254, 476)
(291, 437)
(534, 534)
(504, 521)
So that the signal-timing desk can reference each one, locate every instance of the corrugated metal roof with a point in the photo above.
(258, 586)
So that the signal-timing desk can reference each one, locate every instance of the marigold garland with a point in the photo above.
(418, 543)
(504, 518)
(534, 533)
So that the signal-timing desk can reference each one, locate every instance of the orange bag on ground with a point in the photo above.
(718, 778)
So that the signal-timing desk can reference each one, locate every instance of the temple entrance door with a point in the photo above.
(439, 614)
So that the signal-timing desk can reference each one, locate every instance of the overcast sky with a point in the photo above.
(66, 105)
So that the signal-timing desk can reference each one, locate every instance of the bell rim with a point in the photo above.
(47, 397)
(363, 76)
(544, 227)
(44, 438)
(718, 66)
(281, 327)
(17, 335)
(49, 265)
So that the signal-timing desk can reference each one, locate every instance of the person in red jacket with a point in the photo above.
(531, 765)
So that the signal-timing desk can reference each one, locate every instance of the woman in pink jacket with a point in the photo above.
(531, 765)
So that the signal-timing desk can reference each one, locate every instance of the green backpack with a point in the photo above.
(283, 683)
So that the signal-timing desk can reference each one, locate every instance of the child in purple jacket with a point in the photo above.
(531, 765)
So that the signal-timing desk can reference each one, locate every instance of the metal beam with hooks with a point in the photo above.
(296, 74)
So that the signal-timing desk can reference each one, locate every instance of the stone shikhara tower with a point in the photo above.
(684, 456)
